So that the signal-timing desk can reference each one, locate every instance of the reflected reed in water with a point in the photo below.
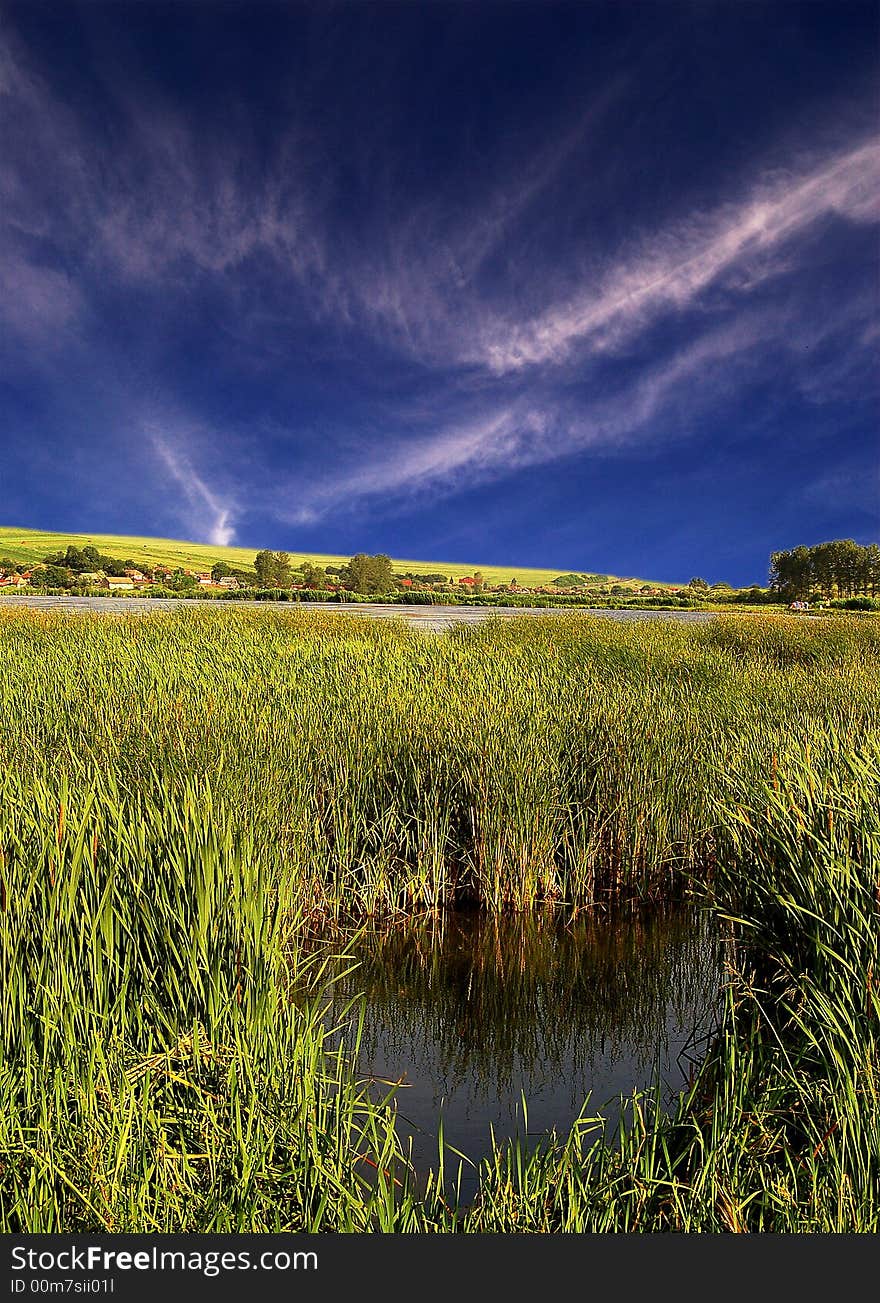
(472, 1012)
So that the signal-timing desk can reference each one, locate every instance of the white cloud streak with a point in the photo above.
(666, 402)
(171, 206)
(672, 271)
(210, 517)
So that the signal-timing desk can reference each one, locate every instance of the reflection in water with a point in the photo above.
(471, 1013)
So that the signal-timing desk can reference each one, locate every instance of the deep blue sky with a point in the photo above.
(590, 285)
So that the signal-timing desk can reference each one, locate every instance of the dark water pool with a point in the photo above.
(471, 1014)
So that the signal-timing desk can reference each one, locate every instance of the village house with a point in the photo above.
(117, 583)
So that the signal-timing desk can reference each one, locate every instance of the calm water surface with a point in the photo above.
(471, 1013)
(433, 618)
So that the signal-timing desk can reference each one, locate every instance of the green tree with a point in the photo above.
(264, 565)
(825, 562)
(53, 577)
(369, 574)
(850, 567)
(283, 570)
(872, 568)
(74, 559)
(311, 576)
(274, 569)
(182, 582)
(792, 573)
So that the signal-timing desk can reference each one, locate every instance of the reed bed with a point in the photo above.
(780, 1131)
(184, 797)
(562, 760)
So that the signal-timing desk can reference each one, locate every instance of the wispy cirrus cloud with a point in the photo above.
(740, 245)
(165, 206)
(853, 482)
(474, 447)
(40, 303)
(541, 425)
(171, 206)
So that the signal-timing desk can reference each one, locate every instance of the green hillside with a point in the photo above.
(32, 545)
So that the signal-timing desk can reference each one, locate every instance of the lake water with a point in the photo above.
(433, 618)
(470, 1013)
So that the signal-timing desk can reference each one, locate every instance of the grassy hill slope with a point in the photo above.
(32, 545)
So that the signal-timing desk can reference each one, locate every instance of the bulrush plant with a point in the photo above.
(156, 1073)
(184, 798)
(780, 1130)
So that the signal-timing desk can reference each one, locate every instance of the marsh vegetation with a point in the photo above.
(187, 800)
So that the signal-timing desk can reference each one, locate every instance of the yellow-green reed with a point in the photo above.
(564, 759)
(182, 796)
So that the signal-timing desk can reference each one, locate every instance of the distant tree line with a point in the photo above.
(578, 580)
(841, 568)
(63, 569)
(363, 574)
(428, 578)
(841, 571)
